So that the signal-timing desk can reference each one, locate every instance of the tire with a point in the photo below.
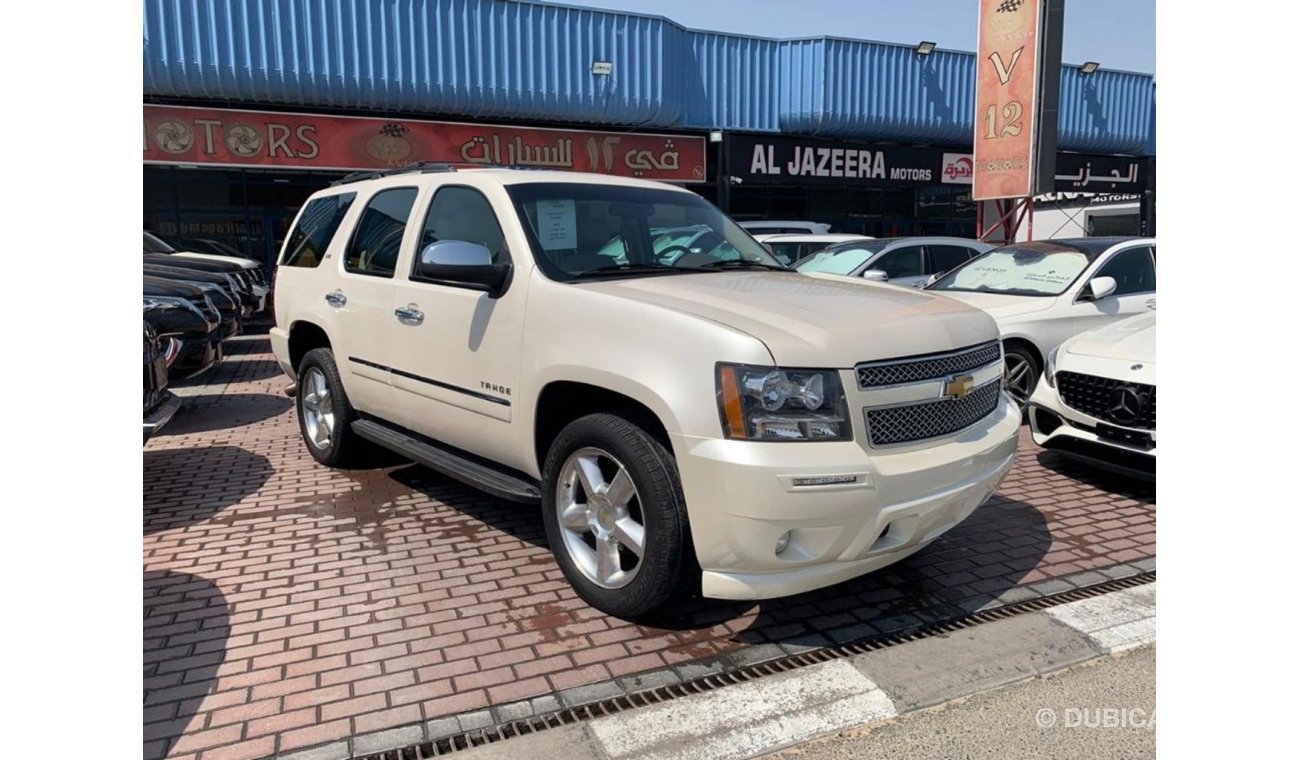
(1021, 360)
(663, 568)
(342, 447)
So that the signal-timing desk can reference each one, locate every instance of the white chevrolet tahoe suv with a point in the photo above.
(720, 420)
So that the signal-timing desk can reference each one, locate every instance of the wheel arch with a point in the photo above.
(1023, 342)
(560, 402)
(303, 337)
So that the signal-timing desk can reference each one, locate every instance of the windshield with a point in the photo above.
(579, 230)
(1014, 270)
(838, 260)
(152, 244)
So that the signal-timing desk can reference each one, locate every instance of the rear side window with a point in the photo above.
(378, 238)
(948, 257)
(315, 229)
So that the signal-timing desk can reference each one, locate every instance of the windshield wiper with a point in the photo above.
(742, 264)
(628, 269)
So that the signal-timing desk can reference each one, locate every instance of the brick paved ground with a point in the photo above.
(287, 605)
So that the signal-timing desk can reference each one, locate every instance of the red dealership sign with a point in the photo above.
(176, 135)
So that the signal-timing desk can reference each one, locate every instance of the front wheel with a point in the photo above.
(1021, 373)
(615, 516)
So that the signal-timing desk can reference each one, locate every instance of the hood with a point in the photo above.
(243, 263)
(814, 320)
(999, 305)
(181, 261)
(158, 286)
(1132, 340)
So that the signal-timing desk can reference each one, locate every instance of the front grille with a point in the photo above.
(1103, 398)
(929, 367)
(931, 419)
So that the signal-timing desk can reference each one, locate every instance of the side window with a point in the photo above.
(378, 238)
(461, 213)
(1133, 269)
(948, 257)
(901, 262)
(316, 226)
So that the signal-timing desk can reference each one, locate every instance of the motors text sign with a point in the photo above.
(177, 135)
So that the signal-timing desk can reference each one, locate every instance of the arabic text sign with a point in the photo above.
(177, 135)
(1006, 98)
(1075, 172)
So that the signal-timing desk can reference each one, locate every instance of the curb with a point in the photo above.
(767, 713)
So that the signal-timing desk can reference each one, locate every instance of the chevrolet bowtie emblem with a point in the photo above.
(958, 386)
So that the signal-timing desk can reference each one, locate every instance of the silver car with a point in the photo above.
(907, 261)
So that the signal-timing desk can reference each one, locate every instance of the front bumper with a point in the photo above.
(161, 414)
(742, 496)
(1058, 427)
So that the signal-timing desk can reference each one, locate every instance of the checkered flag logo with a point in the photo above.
(1010, 6)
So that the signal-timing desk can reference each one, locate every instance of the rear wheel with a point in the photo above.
(324, 414)
(614, 515)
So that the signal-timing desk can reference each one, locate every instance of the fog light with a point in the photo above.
(783, 542)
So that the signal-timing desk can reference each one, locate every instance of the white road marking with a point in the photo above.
(1115, 622)
(749, 718)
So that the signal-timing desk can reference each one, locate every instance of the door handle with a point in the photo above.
(1151, 303)
(336, 299)
(409, 314)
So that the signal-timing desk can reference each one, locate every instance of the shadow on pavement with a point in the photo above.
(208, 412)
(186, 624)
(1112, 483)
(188, 485)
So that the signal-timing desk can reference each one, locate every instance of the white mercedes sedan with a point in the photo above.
(1097, 398)
(1043, 293)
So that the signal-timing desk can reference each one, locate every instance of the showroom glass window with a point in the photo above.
(1134, 271)
(311, 236)
(462, 213)
(378, 237)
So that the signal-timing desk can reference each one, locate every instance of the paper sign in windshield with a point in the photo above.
(557, 224)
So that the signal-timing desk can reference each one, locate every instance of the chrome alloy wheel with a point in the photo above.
(600, 516)
(1019, 378)
(317, 409)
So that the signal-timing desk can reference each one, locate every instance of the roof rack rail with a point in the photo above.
(423, 167)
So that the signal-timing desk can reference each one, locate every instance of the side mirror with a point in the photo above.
(1098, 288)
(932, 279)
(462, 263)
(875, 275)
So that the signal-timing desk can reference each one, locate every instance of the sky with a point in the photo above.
(1118, 34)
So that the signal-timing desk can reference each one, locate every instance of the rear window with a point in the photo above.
(315, 229)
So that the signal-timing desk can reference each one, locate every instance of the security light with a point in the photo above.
(925, 48)
(1089, 67)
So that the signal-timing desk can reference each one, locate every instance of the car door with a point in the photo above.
(905, 265)
(1134, 270)
(456, 352)
(362, 297)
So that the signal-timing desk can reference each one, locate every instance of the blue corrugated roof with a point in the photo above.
(530, 60)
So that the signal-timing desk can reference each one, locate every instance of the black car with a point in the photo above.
(160, 404)
(155, 247)
(226, 283)
(228, 306)
(180, 311)
(226, 309)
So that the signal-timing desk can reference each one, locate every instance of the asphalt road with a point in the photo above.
(1007, 722)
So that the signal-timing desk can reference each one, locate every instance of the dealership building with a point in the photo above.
(249, 107)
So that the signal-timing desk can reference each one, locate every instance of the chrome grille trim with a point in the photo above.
(909, 423)
(927, 367)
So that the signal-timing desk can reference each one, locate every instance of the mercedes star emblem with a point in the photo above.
(1125, 405)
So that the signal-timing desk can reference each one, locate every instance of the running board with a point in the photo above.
(462, 467)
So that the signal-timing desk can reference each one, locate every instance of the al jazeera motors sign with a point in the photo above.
(1017, 96)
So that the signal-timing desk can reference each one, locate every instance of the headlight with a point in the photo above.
(1049, 372)
(775, 404)
(169, 302)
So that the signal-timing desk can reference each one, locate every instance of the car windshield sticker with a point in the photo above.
(1043, 274)
(557, 227)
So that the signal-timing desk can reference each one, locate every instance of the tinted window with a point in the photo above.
(1133, 270)
(315, 229)
(901, 262)
(461, 213)
(945, 257)
(378, 237)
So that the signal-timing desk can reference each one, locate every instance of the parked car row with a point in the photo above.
(192, 303)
